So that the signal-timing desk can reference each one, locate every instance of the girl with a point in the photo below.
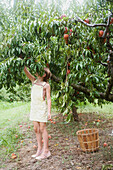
(39, 111)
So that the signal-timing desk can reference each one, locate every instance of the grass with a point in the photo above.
(12, 114)
(106, 110)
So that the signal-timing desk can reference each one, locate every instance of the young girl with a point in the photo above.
(40, 113)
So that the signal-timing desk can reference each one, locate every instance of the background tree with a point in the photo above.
(81, 64)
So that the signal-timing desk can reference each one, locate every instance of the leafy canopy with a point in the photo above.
(33, 35)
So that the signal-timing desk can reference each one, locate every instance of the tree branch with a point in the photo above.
(85, 90)
(104, 64)
(90, 25)
(107, 27)
(56, 79)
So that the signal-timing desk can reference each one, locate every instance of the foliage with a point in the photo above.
(18, 94)
(35, 38)
(107, 167)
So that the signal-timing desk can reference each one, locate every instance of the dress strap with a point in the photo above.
(44, 83)
(34, 81)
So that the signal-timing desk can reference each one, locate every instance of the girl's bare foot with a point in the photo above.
(43, 155)
(37, 154)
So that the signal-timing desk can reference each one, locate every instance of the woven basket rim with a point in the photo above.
(96, 130)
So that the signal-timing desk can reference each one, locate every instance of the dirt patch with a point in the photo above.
(65, 148)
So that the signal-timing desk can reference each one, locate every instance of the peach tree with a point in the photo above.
(78, 51)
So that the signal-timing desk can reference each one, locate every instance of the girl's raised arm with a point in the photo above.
(29, 75)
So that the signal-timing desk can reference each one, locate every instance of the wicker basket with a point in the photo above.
(88, 139)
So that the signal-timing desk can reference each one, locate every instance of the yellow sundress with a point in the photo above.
(38, 110)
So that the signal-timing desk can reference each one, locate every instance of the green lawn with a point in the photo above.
(11, 116)
(16, 112)
(106, 110)
(13, 113)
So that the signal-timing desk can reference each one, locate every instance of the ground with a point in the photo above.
(66, 153)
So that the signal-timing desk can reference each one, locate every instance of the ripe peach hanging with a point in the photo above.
(63, 15)
(66, 36)
(101, 32)
(111, 21)
(65, 30)
(87, 20)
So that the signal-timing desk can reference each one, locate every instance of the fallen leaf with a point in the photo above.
(78, 167)
(66, 138)
(56, 144)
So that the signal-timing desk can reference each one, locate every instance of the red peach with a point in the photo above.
(88, 48)
(63, 15)
(13, 156)
(66, 36)
(111, 21)
(101, 32)
(47, 65)
(105, 144)
(34, 146)
(87, 20)
(16, 136)
(68, 72)
(65, 30)
(49, 136)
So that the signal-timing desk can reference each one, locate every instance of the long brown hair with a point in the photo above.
(48, 74)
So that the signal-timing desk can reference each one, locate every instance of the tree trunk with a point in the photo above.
(74, 113)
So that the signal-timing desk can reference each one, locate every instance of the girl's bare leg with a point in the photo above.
(39, 138)
(45, 137)
(46, 153)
